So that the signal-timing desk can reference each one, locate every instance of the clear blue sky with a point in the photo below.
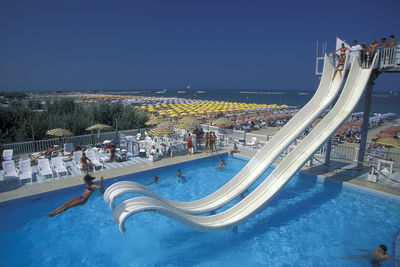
(147, 44)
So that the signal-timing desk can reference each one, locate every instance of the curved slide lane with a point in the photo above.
(326, 93)
(348, 99)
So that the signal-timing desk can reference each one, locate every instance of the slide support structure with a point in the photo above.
(365, 124)
(328, 146)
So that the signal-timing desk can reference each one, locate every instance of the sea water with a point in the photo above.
(311, 222)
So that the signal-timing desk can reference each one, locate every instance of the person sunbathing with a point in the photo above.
(80, 200)
(50, 150)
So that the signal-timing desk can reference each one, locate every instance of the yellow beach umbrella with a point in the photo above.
(223, 121)
(162, 130)
(154, 121)
(59, 132)
(192, 120)
(389, 142)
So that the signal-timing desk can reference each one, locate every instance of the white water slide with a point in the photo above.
(348, 99)
(324, 96)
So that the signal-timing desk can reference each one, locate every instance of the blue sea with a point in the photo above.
(382, 101)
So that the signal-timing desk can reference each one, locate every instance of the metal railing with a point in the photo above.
(389, 58)
(344, 153)
(23, 148)
(350, 154)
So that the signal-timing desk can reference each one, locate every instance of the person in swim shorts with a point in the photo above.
(80, 200)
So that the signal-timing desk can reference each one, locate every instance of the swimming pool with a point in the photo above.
(312, 222)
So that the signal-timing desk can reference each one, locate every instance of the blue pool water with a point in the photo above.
(311, 222)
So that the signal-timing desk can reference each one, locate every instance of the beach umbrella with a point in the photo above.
(166, 124)
(394, 142)
(162, 130)
(384, 135)
(185, 126)
(98, 126)
(191, 120)
(389, 143)
(59, 132)
(223, 121)
(154, 121)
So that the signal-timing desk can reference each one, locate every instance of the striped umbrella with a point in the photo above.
(59, 132)
(185, 126)
(190, 120)
(162, 130)
(154, 121)
(389, 142)
(223, 121)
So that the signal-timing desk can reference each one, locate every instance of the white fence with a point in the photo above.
(82, 140)
(389, 58)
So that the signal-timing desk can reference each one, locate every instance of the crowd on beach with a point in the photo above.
(363, 52)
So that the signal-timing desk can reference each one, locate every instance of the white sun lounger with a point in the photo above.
(44, 168)
(7, 154)
(68, 148)
(25, 170)
(58, 166)
(10, 172)
(92, 156)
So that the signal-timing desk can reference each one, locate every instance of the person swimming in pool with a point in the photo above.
(179, 175)
(222, 164)
(80, 200)
(154, 181)
(379, 255)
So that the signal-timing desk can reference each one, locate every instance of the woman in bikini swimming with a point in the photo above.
(80, 200)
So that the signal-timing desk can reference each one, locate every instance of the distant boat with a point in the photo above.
(200, 92)
(181, 92)
(303, 93)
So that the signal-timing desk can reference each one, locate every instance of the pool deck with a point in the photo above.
(349, 175)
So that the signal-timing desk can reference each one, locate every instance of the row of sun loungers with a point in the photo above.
(55, 167)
